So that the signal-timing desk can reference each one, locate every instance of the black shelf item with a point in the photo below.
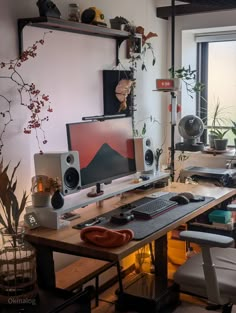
(73, 27)
(102, 117)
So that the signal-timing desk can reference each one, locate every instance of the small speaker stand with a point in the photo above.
(95, 193)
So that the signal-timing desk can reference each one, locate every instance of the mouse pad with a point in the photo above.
(143, 227)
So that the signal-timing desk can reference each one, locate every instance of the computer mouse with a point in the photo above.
(189, 195)
(180, 199)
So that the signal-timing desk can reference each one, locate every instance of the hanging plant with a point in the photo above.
(188, 77)
(138, 47)
(30, 98)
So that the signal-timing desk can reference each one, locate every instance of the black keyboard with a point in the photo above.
(153, 208)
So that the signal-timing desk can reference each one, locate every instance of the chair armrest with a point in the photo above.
(231, 207)
(207, 239)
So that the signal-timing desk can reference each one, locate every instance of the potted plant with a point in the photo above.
(217, 131)
(233, 129)
(43, 187)
(17, 257)
(220, 143)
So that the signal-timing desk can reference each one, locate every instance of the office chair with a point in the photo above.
(212, 273)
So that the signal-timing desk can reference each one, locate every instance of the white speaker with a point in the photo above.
(64, 165)
(144, 155)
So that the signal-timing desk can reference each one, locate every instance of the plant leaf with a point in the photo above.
(2, 221)
(14, 206)
(14, 171)
(23, 203)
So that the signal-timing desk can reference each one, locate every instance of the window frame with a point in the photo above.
(202, 76)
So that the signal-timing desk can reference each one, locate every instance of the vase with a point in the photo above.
(17, 268)
(57, 200)
(142, 263)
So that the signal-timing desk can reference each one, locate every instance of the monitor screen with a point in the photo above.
(106, 149)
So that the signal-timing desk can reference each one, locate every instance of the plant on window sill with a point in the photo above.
(30, 98)
(233, 128)
(218, 128)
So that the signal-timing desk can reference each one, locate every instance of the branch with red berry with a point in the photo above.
(30, 97)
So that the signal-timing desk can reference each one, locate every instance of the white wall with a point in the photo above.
(68, 68)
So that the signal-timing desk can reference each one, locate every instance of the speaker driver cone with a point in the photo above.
(71, 178)
(149, 157)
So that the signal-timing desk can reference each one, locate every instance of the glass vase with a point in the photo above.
(17, 267)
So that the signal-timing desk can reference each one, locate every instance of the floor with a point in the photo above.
(188, 304)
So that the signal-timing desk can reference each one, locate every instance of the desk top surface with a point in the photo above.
(68, 240)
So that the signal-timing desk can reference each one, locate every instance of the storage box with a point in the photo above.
(220, 216)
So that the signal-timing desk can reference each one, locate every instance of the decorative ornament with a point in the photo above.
(48, 8)
(57, 200)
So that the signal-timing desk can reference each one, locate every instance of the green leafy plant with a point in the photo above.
(133, 46)
(233, 128)
(219, 133)
(11, 209)
(219, 120)
(188, 77)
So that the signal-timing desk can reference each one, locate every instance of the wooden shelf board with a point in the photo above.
(64, 25)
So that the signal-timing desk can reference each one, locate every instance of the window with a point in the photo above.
(216, 65)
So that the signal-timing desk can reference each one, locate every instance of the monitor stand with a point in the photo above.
(95, 193)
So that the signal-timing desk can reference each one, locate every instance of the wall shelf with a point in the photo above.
(69, 26)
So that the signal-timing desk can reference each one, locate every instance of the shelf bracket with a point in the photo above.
(21, 25)
(118, 44)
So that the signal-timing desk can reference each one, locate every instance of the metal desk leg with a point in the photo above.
(45, 268)
(161, 266)
(119, 277)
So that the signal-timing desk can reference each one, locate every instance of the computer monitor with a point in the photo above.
(106, 149)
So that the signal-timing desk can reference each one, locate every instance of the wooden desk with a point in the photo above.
(68, 240)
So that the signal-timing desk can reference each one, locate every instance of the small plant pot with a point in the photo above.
(220, 144)
(212, 137)
(116, 24)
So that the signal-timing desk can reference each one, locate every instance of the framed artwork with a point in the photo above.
(111, 79)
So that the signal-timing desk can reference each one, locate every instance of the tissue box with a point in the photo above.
(220, 216)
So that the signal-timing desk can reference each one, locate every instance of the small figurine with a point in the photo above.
(48, 8)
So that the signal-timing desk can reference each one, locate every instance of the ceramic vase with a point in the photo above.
(57, 200)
